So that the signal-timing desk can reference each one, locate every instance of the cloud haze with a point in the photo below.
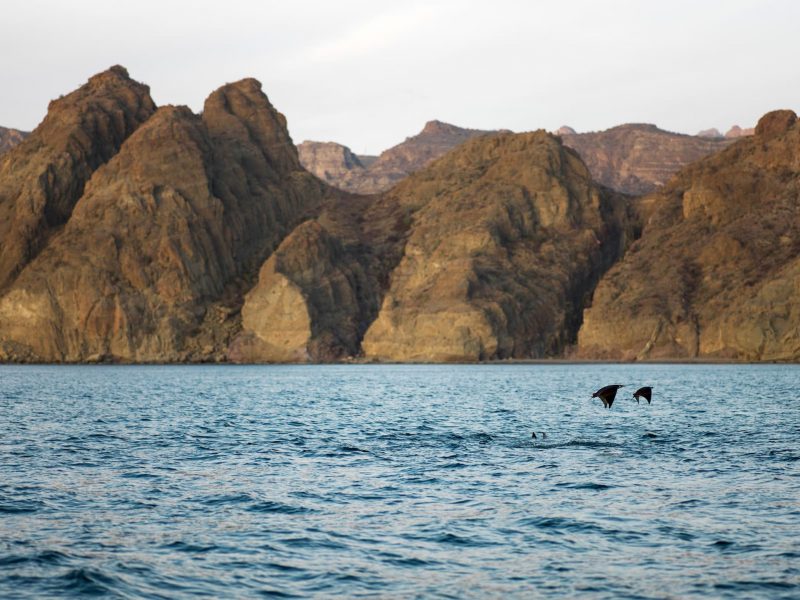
(369, 73)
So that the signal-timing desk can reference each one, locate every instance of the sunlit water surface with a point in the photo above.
(399, 481)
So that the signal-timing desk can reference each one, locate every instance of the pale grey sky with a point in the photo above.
(369, 73)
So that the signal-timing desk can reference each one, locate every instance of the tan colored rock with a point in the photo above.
(715, 273)
(638, 158)
(508, 235)
(43, 177)
(736, 132)
(330, 161)
(10, 138)
(338, 166)
(151, 264)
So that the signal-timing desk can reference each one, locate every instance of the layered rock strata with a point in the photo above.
(638, 158)
(717, 270)
(337, 165)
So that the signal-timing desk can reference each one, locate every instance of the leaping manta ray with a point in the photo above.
(607, 394)
(645, 392)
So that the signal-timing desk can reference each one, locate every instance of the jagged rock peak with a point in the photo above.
(436, 126)
(242, 110)
(42, 178)
(775, 123)
(737, 132)
(712, 133)
(565, 130)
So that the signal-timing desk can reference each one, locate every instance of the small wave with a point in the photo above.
(226, 499)
(589, 444)
(20, 506)
(187, 547)
(585, 486)
(85, 581)
(46, 557)
(268, 506)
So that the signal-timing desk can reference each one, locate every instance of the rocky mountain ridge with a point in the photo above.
(136, 233)
(716, 273)
(156, 243)
(340, 167)
(637, 158)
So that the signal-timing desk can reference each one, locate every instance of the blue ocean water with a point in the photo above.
(399, 481)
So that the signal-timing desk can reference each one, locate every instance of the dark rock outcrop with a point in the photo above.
(43, 177)
(717, 270)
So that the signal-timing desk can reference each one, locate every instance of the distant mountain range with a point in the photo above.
(634, 158)
(337, 165)
(136, 233)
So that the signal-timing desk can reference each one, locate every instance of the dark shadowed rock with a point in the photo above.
(320, 290)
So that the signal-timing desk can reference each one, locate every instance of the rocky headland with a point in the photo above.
(131, 231)
(716, 273)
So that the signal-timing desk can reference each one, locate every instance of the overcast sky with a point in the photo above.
(369, 73)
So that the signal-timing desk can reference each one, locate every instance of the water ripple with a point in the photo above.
(398, 481)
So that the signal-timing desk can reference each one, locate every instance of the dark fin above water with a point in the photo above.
(643, 392)
(607, 394)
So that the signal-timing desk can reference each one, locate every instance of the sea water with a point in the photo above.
(399, 481)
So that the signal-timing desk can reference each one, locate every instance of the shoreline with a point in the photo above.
(373, 362)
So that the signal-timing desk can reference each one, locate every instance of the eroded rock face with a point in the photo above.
(43, 177)
(331, 162)
(9, 138)
(337, 165)
(717, 270)
(320, 290)
(638, 158)
(508, 236)
(152, 262)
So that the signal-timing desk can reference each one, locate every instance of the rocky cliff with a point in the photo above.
(638, 158)
(337, 165)
(717, 270)
(10, 138)
(320, 290)
(43, 177)
(157, 248)
(507, 236)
